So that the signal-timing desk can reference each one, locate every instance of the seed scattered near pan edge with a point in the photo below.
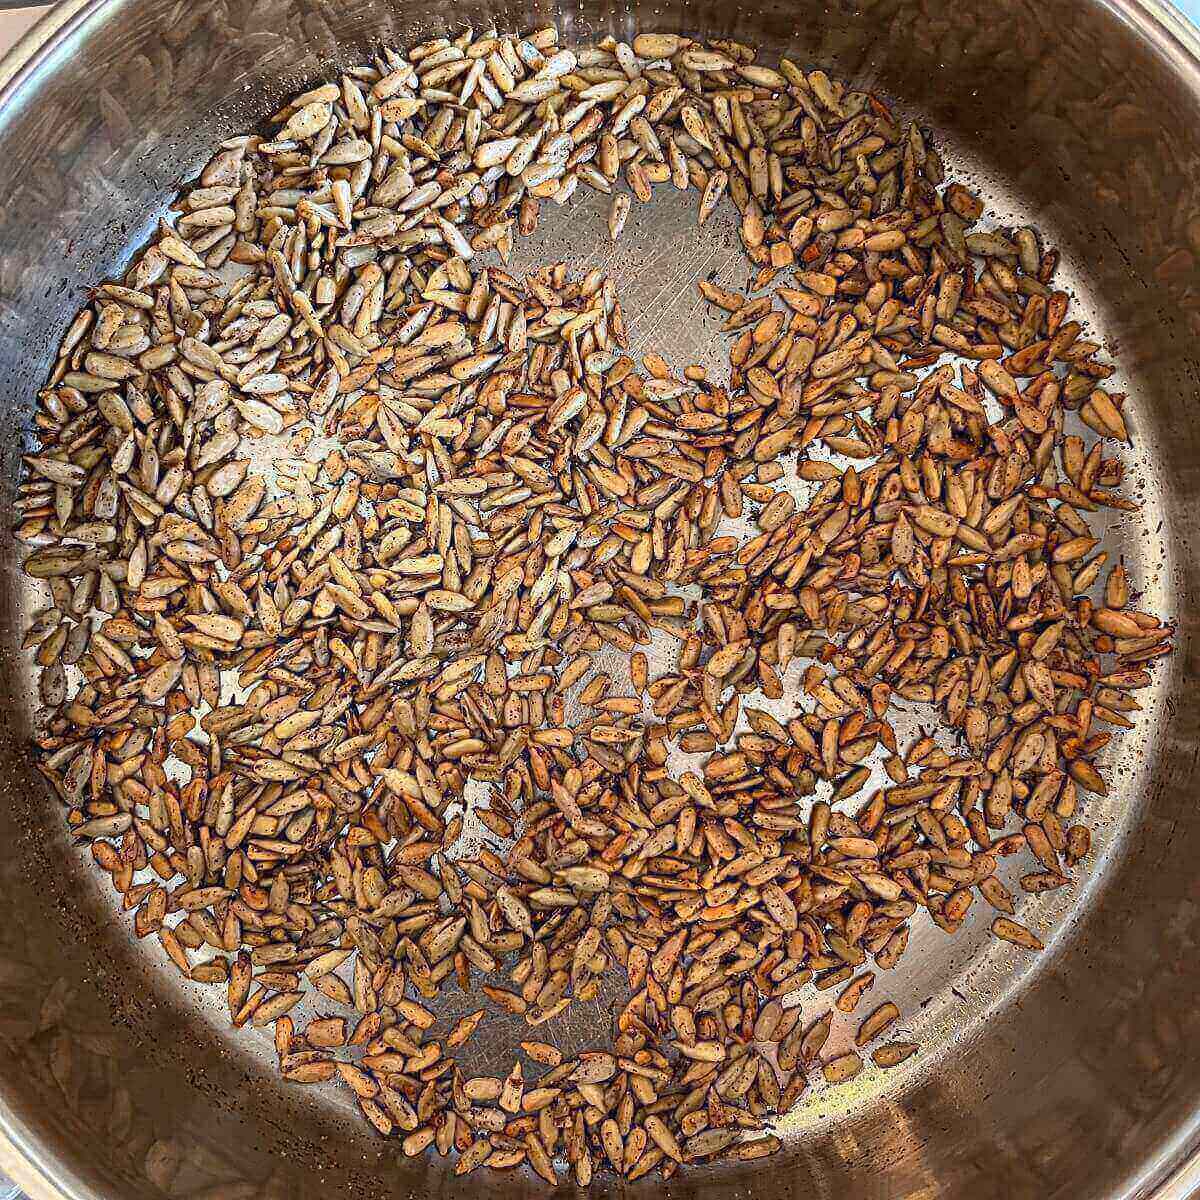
(266, 692)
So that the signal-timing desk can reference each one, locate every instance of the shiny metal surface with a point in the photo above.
(1074, 1074)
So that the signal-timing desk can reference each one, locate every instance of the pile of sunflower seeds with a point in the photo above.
(269, 694)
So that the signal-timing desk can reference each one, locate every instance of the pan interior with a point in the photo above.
(1021, 1053)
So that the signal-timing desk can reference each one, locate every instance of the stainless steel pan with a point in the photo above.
(1075, 1074)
